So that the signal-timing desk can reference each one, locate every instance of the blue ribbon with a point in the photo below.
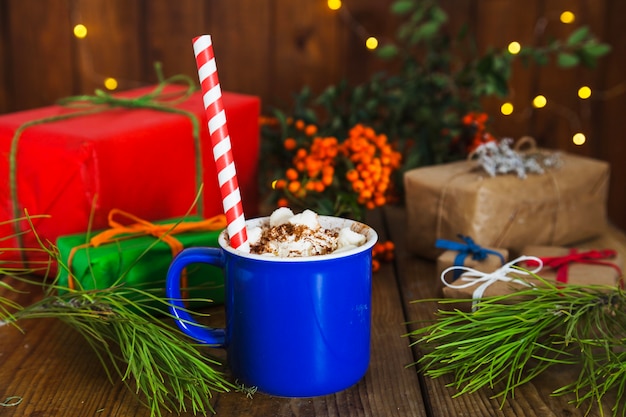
(470, 247)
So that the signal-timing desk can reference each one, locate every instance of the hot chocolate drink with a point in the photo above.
(293, 235)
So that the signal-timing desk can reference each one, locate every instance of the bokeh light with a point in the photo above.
(567, 17)
(110, 83)
(540, 101)
(80, 31)
(507, 109)
(584, 92)
(371, 43)
(334, 4)
(514, 48)
(579, 139)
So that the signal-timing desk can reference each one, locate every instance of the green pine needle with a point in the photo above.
(510, 339)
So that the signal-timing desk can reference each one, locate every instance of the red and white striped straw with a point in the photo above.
(222, 152)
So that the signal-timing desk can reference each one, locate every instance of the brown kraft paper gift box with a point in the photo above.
(565, 205)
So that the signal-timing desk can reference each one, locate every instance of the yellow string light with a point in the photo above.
(80, 31)
(540, 101)
(567, 17)
(507, 109)
(371, 43)
(334, 4)
(584, 92)
(514, 48)
(110, 83)
(579, 139)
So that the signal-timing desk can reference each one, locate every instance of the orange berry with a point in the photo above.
(389, 245)
(293, 186)
(310, 130)
(301, 153)
(352, 175)
(370, 205)
(358, 186)
(380, 200)
(332, 152)
(280, 184)
(290, 144)
(357, 130)
(319, 186)
(368, 132)
(327, 180)
(282, 202)
(291, 174)
(300, 124)
(375, 265)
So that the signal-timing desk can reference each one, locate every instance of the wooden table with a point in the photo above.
(56, 374)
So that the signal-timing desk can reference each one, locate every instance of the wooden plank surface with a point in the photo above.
(167, 36)
(418, 281)
(37, 60)
(4, 73)
(112, 47)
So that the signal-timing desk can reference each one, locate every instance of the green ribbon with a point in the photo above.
(101, 101)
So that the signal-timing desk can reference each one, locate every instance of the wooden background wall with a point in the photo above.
(272, 48)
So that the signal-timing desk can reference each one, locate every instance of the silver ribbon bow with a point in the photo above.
(498, 158)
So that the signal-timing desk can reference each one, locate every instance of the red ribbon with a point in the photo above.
(593, 257)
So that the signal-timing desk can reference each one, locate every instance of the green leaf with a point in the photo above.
(387, 51)
(437, 14)
(425, 31)
(402, 7)
(596, 50)
(578, 36)
(567, 60)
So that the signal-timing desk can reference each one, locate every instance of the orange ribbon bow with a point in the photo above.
(142, 227)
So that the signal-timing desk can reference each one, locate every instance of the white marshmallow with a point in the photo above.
(280, 216)
(349, 239)
(307, 218)
(254, 234)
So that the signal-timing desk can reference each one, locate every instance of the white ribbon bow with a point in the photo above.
(484, 279)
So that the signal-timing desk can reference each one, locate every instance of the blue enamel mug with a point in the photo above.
(295, 327)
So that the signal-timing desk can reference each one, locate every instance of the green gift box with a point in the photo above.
(139, 255)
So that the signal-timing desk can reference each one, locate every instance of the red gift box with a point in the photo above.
(138, 160)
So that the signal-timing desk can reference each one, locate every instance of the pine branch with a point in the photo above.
(152, 357)
(510, 339)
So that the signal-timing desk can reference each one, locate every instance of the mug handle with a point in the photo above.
(184, 320)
